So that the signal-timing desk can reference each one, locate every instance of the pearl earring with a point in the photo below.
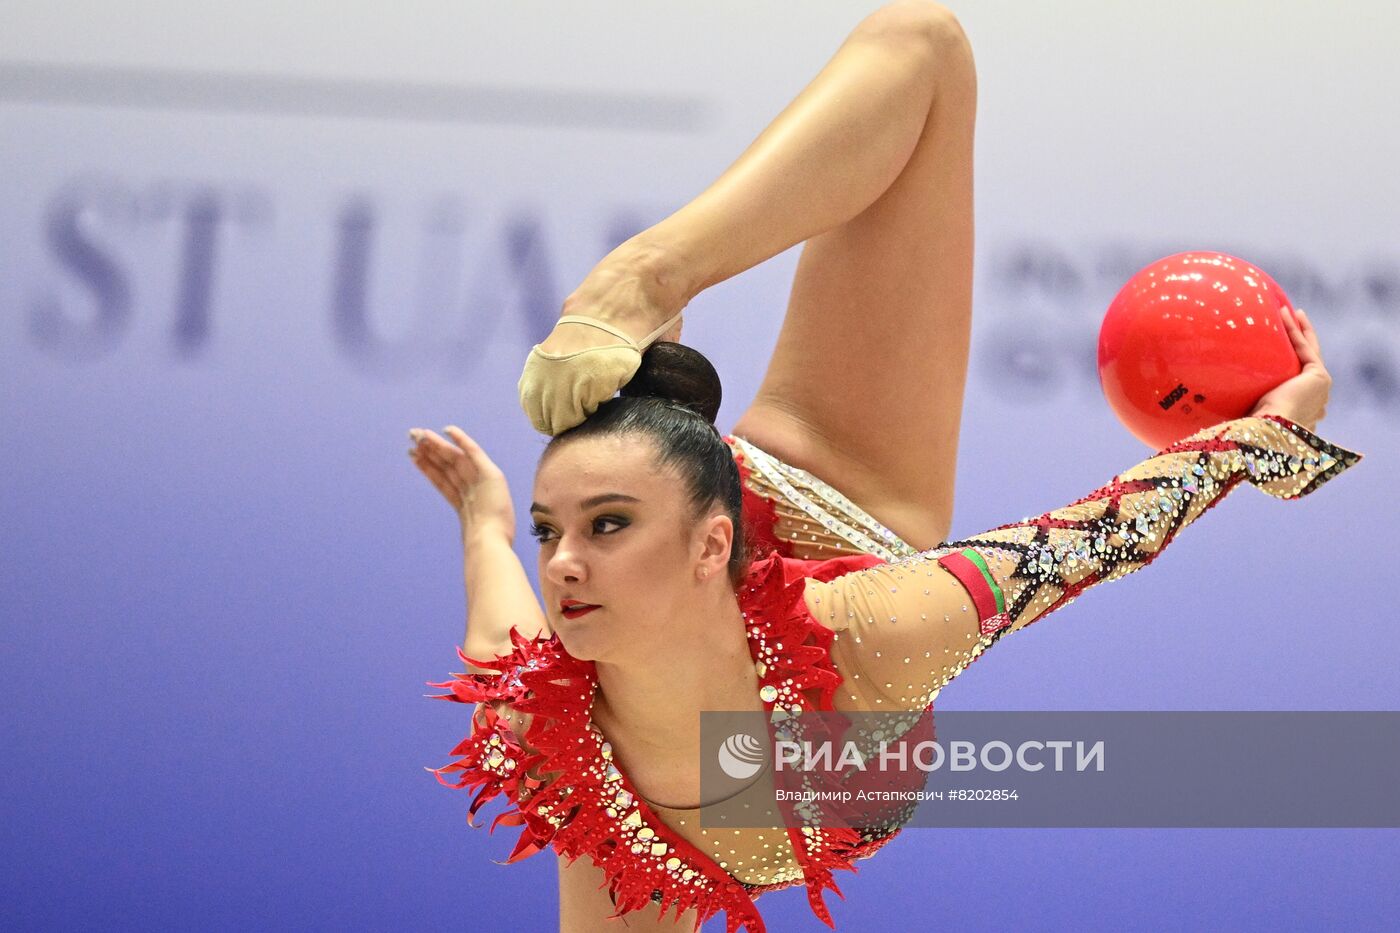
(704, 571)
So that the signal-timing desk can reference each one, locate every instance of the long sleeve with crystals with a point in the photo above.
(906, 628)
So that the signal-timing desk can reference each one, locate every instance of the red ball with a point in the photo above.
(1192, 340)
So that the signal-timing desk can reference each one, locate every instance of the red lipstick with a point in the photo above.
(573, 609)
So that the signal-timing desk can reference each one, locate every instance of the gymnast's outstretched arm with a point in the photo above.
(913, 625)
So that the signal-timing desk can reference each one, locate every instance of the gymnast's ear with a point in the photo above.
(712, 541)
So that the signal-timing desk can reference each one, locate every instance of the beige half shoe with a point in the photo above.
(559, 390)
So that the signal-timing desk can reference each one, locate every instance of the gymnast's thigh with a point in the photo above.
(865, 386)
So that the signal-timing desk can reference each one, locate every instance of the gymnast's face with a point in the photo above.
(615, 533)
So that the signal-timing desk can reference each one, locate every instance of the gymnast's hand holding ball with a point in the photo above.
(468, 479)
(1201, 337)
(1303, 398)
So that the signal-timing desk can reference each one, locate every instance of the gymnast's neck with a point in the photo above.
(650, 702)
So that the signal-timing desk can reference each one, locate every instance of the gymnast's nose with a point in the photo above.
(566, 567)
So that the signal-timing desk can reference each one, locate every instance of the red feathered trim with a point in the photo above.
(584, 805)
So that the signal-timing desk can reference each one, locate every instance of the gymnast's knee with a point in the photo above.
(914, 20)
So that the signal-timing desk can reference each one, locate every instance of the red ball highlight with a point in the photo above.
(1190, 341)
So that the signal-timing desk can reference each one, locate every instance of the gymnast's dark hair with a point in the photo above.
(673, 399)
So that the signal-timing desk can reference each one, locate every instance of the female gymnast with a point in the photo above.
(799, 563)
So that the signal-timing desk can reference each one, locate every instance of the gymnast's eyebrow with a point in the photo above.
(590, 501)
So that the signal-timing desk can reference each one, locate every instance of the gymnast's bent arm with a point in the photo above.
(913, 625)
(499, 595)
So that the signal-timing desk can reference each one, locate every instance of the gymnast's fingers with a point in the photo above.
(1310, 334)
(470, 448)
(435, 475)
(449, 458)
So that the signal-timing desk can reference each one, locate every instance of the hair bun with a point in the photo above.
(678, 373)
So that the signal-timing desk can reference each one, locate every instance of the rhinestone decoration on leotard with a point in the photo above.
(1123, 526)
(824, 505)
(895, 613)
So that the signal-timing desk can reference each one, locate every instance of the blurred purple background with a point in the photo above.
(243, 250)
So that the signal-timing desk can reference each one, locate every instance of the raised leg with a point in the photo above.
(871, 165)
(865, 388)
